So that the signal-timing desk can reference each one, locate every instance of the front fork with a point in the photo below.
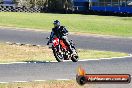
(56, 49)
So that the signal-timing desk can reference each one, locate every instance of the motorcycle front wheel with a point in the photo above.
(59, 56)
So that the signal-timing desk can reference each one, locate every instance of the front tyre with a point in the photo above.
(58, 56)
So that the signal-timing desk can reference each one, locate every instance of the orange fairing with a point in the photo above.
(63, 44)
(56, 42)
(81, 71)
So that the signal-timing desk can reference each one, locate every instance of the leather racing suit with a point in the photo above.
(60, 32)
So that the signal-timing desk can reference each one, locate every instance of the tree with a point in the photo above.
(60, 4)
(52, 5)
(41, 2)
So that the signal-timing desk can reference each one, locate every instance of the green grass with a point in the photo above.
(106, 25)
(15, 53)
(95, 54)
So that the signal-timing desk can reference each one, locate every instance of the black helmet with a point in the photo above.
(56, 23)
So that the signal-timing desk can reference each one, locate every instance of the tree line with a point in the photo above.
(46, 4)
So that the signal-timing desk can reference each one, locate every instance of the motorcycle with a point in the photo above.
(62, 52)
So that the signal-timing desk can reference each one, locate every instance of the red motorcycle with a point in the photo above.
(61, 50)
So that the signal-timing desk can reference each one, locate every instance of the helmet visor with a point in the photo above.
(55, 25)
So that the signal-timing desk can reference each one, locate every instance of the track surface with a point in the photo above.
(67, 70)
(85, 42)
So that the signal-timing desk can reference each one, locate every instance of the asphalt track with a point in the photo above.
(81, 41)
(67, 70)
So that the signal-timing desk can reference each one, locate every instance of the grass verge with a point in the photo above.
(15, 53)
(46, 84)
(106, 25)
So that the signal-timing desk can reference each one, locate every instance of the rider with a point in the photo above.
(60, 32)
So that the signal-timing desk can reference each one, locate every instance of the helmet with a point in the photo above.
(56, 23)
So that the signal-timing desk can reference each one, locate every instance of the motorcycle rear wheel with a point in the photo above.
(74, 58)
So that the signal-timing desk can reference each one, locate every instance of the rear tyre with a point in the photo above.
(74, 58)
